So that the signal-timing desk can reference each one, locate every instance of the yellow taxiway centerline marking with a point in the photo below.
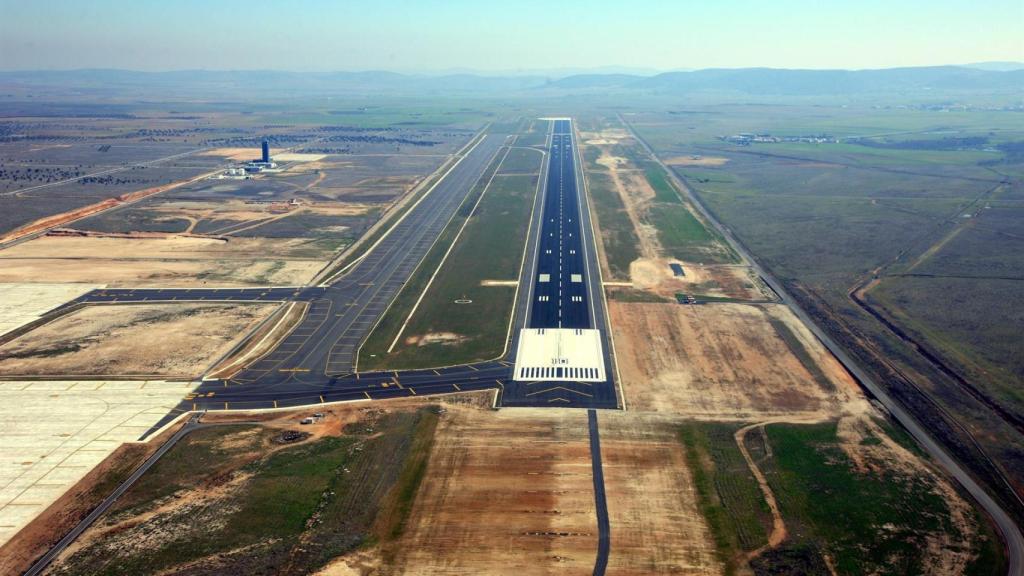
(457, 387)
(367, 395)
(413, 391)
(321, 399)
(275, 403)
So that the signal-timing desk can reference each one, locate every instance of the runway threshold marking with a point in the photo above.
(560, 388)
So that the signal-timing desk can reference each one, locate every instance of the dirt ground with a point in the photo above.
(636, 193)
(722, 361)
(158, 525)
(696, 161)
(277, 154)
(236, 211)
(495, 502)
(657, 527)
(172, 261)
(724, 280)
(508, 492)
(139, 339)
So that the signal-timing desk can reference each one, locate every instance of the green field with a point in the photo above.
(681, 234)
(537, 135)
(875, 520)
(988, 353)
(291, 511)
(727, 492)
(825, 217)
(828, 505)
(490, 248)
(521, 161)
(619, 242)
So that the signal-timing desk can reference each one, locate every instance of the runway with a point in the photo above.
(315, 362)
(563, 275)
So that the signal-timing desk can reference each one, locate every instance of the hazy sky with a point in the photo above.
(492, 35)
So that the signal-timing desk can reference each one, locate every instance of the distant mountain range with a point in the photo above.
(811, 82)
(248, 84)
(997, 66)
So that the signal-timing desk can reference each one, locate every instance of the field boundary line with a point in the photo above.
(448, 252)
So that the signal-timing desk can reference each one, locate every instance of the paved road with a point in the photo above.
(570, 295)
(600, 500)
(1011, 532)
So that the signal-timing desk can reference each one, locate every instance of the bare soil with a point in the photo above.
(447, 338)
(508, 492)
(698, 161)
(141, 522)
(637, 194)
(240, 154)
(137, 339)
(722, 361)
(657, 527)
(729, 281)
(164, 262)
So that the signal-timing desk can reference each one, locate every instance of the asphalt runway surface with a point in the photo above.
(562, 246)
(560, 292)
